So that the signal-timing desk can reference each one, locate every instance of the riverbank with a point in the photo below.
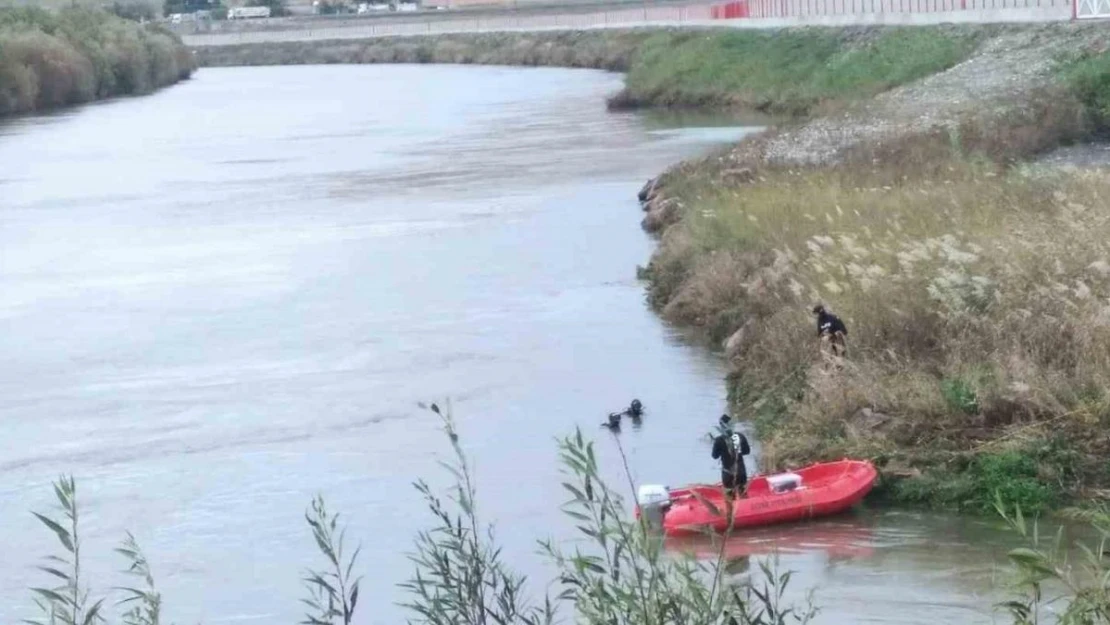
(76, 55)
(973, 286)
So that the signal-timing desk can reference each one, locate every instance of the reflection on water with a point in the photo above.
(226, 297)
(880, 567)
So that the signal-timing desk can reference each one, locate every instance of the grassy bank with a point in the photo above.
(51, 59)
(975, 289)
(791, 72)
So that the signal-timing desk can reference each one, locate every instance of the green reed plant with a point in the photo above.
(1080, 587)
(333, 594)
(146, 601)
(460, 578)
(623, 575)
(620, 575)
(68, 602)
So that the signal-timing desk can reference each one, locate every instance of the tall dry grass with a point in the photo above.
(77, 55)
(977, 298)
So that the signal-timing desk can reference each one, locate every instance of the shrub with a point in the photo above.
(960, 395)
(1013, 476)
(135, 10)
(1088, 77)
(77, 55)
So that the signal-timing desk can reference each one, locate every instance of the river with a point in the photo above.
(225, 297)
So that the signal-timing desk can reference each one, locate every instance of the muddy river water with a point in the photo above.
(228, 296)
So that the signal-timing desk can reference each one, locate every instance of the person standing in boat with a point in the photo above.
(730, 447)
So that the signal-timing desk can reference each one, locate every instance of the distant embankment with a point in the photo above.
(611, 50)
(51, 59)
(786, 72)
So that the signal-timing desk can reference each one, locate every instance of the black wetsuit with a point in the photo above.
(830, 325)
(734, 475)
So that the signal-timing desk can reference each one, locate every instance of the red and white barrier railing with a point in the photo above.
(736, 13)
(871, 11)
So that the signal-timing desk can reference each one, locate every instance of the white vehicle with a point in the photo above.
(247, 12)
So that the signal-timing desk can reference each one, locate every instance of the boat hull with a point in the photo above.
(826, 489)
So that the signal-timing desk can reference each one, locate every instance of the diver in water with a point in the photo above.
(634, 411)
(730, 447)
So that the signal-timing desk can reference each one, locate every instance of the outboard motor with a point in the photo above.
(654, 501)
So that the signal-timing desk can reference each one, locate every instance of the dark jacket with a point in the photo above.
(828, 323)
(725, 449)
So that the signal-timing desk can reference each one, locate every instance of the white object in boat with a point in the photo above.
(784, 482)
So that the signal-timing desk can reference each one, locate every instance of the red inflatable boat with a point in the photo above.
(817, 490)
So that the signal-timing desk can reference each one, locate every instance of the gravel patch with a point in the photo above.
(1088, 155)
(1006, 66)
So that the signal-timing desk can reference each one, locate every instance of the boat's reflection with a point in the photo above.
(842, 539)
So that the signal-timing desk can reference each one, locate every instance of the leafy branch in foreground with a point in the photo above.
(627, 578)
(1085, 587)
(147, 600)
(460, 578)
(332, 593)
(67, 603)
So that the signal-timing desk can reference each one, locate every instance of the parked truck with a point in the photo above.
(247, 12)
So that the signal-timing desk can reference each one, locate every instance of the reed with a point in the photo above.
(620, 575)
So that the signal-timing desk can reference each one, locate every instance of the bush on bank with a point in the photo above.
(50, 59)
(1088, 77)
